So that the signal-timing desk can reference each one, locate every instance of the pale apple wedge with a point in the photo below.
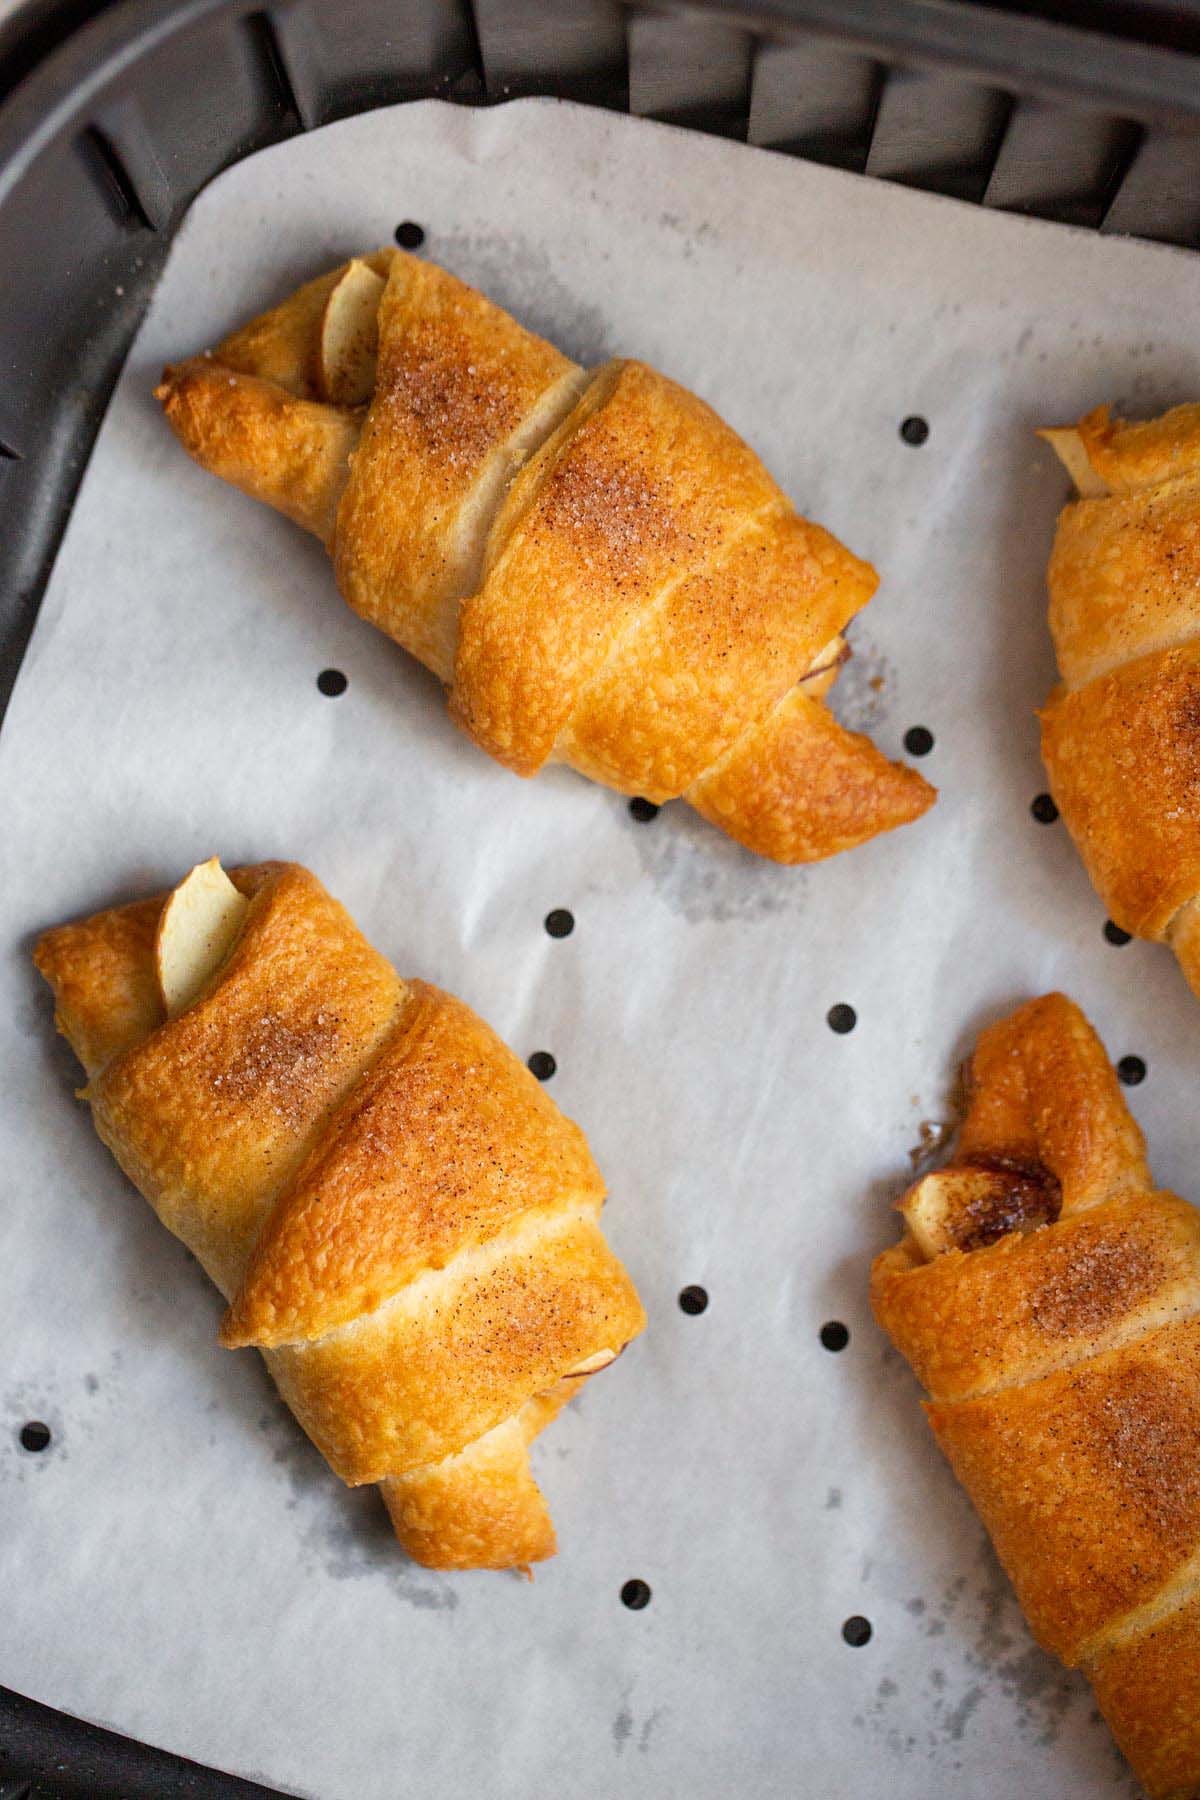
(964, 1208)
(818, 680)
(199, 926)
(350, 336)
(1069, 447)
(592, 1365)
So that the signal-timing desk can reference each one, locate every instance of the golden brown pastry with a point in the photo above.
(397, 1213)
(1049, 1299)
(597, 568)
(1121, 734)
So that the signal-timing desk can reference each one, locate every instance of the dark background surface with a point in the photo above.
(115, 113)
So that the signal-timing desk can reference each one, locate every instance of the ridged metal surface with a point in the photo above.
(690, 69)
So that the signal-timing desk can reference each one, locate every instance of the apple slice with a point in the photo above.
(199, 926)
(817, 680)
(350, 336)
(966, 1208)
(1069, 447)
(592, 1364)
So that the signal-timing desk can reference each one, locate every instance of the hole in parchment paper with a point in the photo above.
(35, 1435)
(841, 1018)
(914, 430)
(635, 1595)
(1043, 809)
(560, 922)
(1132, 1070)
(693, 1299)
(410, 235)
(1114, 933)
(918, 740)
(643, 810)
(542, 1064)
(857, 1631)
(835, 1335)
(332, 682)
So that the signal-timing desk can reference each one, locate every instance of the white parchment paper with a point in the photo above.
(179, 1564)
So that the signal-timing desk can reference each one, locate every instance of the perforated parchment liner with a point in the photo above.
(177, 1562)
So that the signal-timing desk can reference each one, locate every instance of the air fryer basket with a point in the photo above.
(114, 116)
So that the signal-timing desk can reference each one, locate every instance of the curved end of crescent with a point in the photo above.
(292, 454)
(479, 1509)
(799, 787)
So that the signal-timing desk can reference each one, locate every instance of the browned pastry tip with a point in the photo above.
(400, 1217)
(1040, 1087)
(293, 454)
(595, 564)
(798, 787)
(1048, 1298)
(506, 1522)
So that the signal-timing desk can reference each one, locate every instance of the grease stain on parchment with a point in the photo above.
(861, 697)
(627, 1729)
(72, 1408)
(34, 1017)
(703, 875)
(692, 237)
(1000, 1658)
(346, 1531)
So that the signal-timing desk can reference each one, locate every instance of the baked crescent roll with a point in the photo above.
(594, 564)
(1049, 1299)
(399, 1216)
(1121, 734)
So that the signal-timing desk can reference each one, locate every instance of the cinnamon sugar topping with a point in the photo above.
(1150, 1429)
(612, 508)
(1092, 1283)
(281, 1065)
(460, 413)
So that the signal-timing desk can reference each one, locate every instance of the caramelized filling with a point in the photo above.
(1026, 1196)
